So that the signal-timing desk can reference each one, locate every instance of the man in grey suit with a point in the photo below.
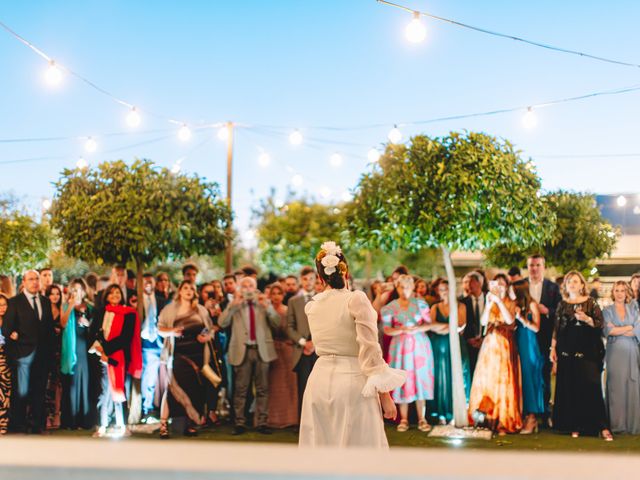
(304, 353)
(250, 350)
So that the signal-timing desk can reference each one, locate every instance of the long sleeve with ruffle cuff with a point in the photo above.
(387, 380)
(381, 377)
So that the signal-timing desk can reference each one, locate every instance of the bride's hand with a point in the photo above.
(389, 409)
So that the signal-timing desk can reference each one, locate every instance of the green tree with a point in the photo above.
(24, 242)
(460, 192)
(137, 214)
(581, 235)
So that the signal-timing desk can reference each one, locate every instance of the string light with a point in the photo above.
(373, 155)
(335, 159)
(415, 31)
(395, 135)
(297, 180)
(529, 119)
(295, 137)
(90, 145)
(53, 74)
(621, 201)
(264, 159)
(133, 118)
(223, 133)
(82, 163)
(184, 134)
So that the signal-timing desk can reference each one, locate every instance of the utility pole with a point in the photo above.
(228, 263)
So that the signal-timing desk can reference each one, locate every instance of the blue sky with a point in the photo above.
(311, 63)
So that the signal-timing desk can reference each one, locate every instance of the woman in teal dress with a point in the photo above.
(531, 359)
(441, 407)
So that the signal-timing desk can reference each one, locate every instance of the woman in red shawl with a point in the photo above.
(119, 346)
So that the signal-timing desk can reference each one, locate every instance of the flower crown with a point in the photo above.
(328, 257)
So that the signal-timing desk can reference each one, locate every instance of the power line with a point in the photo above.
(510, 37)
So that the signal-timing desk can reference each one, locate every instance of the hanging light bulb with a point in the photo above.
(133, 118)
(53, 74)
(373, 155)
(530, 120)
(325, 192)
(415, 31)
(395, 135)
(295, 137)
(223, 133)
(90, 145)
(184, 134)
(621, 201)
(264, 159)
(82, 163)
(46, 204)
(335, 159)
(297, 180)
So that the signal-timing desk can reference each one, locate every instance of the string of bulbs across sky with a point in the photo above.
(415, 32)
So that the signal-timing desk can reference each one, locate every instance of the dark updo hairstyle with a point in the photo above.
(337, 279)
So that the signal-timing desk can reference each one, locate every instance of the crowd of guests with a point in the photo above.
(92, 355)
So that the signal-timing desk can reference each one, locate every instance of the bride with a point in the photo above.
(350, 381)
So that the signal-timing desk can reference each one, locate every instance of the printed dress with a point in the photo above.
(410, 351)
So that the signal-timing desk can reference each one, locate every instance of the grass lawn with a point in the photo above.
(545, 440)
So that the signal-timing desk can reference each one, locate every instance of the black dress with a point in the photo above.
(579, 403)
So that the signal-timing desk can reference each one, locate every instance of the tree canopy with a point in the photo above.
(580, 237)
(24, 242)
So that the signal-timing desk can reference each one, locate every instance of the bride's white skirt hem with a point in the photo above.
(334, 411)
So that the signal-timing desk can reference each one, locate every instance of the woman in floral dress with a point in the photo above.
(406, 320)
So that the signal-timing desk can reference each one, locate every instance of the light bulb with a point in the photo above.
(335, 159)
(295, 138)
(223, 133)
(621, 201)
(264, 159)
(82, 163)
(530, 120)
(184, 134)
(46, 204)
(53, 74)
(90, 145)
(297, 180)
(415, 31)
(395, 135)
(373, 155)
(325, 192)
(133, 118)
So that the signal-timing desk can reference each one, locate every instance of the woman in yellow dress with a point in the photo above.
(496, 394)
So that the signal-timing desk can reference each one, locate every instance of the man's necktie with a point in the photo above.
(35, 307)
(252, 323)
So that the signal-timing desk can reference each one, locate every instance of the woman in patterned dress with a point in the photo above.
(496, 394)
(5, 374)
(406, 320)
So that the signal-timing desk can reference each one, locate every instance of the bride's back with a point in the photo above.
(333, 328)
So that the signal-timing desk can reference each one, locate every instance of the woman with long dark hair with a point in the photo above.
(54, 383)
(577, 352)
(76, 320)
(118, 344)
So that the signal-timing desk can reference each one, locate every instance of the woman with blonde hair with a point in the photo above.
(187, 330)
(407, 320)
(577, 354)
(622, 328)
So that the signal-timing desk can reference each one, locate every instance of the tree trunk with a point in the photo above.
(460, 416)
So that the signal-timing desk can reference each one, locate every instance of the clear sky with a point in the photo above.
(314, 63)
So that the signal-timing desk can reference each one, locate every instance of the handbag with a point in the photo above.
(206, 370)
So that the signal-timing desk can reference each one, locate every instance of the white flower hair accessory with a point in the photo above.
(330, 261)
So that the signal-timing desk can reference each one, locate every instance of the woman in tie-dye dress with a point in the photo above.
(407, 320)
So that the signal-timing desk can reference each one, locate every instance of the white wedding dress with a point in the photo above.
(341, 407)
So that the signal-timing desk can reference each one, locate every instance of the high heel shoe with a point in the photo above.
(531, 426)
(164, 430)
(575, 434)
(606, 435)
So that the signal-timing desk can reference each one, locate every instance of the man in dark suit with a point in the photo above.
(547, 294)
(474, 303)
(304, 353)
(28, 328)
